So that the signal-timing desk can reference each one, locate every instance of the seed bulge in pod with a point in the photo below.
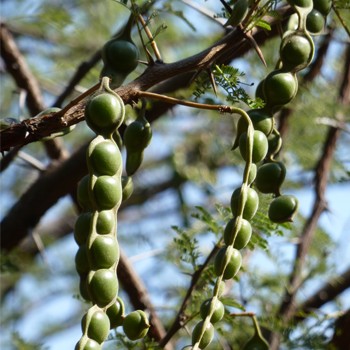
(81, 260)
(98, 327)
(233, 265)
(104, 252)
(107, 192)
(116, 313)
(250, 206)
(104, 113)
(136, 325)
(207, 336)
(218, 313)
(83, 194)
(105, 158)
(105, 222)
(260, 146)
(103, 287)
(243, 236)
(82, 227)
(270, 177)
(283, 209)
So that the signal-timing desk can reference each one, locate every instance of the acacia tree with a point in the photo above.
(190, 88)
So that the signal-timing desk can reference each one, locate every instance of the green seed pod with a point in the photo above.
(128, 187)
(104, 252)
(315, 22)
(105, 158)
(221, 289)
(283, 209)
(105, 222)
(104, 113)
(301, 3)
(83, 194)
(81, 260)
(133, 162)
(252, 173)
(233, 266)
(218, 313)
(324, 6)
(121, 56)
(136, 325)
(83, 289)
(275, 143)
(243, 236)
(250, 206)
(103, 287)
(89, 345)
(82, 228)
(107, 192)
(239, 13)
(116, 313)
(262, 121)
(260, 146)
(256, 343)
(259, 92)
(137, 135)
(296, 52)
(207, 336)
(98, 327)
(279, 88)
(270, 177)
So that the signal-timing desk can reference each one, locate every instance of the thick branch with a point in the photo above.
(231, 46)
(325, 294)
(25, 80)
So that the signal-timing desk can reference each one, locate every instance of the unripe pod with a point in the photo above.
(81, 260)
(107, 192)
(137, 135)
(83, 288)
(98, 327)
(116, 313)
(218, 313)
(301, 3)
(239, 12)
(103, 287)
(120, 55)
(105, 158)
(233, 265)
(133, 162)
(252, 173)
(128, 187)
(257, 342)
(243, 235)
(270, 177)
(136, 325)
(104, 252)
(279, 88)
(324, 6)
(296, 51)
(250, 206)
(260, 146)
(283, 209)
(315, 22)
(89, 345)
(105, 222)
(82, 228)
(83, 193)
(104, 113)
(207, 336)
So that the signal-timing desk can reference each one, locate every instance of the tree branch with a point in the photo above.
(233, 45)
(19, 70)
